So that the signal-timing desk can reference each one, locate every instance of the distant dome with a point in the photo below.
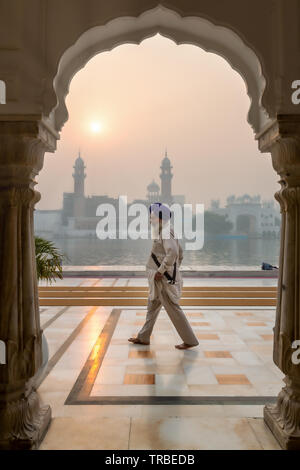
(153, 187)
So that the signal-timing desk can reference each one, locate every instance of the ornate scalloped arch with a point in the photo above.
(182, 30)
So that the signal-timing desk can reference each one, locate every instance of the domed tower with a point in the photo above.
(153, 192)
(166, 180)
(79, 176)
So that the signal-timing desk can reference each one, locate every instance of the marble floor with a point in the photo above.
(106, 393)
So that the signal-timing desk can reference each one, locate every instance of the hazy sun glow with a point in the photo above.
(127, 105)
(96, 127)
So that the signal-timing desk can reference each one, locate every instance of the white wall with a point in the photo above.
(47, 223)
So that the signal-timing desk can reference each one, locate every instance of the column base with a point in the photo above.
(24, 423)
(283, 419)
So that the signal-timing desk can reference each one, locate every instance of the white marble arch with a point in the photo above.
(182, 30)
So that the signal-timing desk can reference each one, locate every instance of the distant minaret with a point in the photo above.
(166, 180)
(79, 177)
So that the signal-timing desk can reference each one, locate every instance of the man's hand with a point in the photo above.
(158, 276)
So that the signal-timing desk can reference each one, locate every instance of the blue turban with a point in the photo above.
(161, 211)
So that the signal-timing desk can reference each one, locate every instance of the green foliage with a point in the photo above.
(48, 260)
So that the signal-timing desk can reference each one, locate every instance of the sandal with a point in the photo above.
(185, 346)
(137, 341)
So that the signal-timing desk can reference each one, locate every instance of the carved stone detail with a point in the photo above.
(283, 418)
(23, 422)
(22, 148)
(282, 139)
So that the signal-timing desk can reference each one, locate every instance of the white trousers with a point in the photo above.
(176, 315)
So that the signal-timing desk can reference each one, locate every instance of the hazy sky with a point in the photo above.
(149, 97)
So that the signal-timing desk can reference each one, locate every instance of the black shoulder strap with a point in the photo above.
(171, 280)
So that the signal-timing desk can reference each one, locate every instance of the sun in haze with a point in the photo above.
(96, 127)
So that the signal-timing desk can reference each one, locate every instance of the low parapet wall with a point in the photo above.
(139, 271)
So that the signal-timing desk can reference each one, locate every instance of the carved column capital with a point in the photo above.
(17, 196)
(23, 143)
(29, 127)
(282, 140)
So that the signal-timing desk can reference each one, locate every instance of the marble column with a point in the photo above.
(282, 139)
(23, 421)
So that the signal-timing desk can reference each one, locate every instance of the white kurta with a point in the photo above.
(168, 251)
(162, 293)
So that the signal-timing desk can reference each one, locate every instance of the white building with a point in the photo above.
(249, 215)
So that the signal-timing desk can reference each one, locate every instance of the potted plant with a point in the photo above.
(48, 260)
(49, 267)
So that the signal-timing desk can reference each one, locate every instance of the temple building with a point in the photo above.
(78, 214)
(153, 192)
(250, 216)
(164, 192)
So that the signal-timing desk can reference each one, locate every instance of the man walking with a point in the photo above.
(165, 282)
